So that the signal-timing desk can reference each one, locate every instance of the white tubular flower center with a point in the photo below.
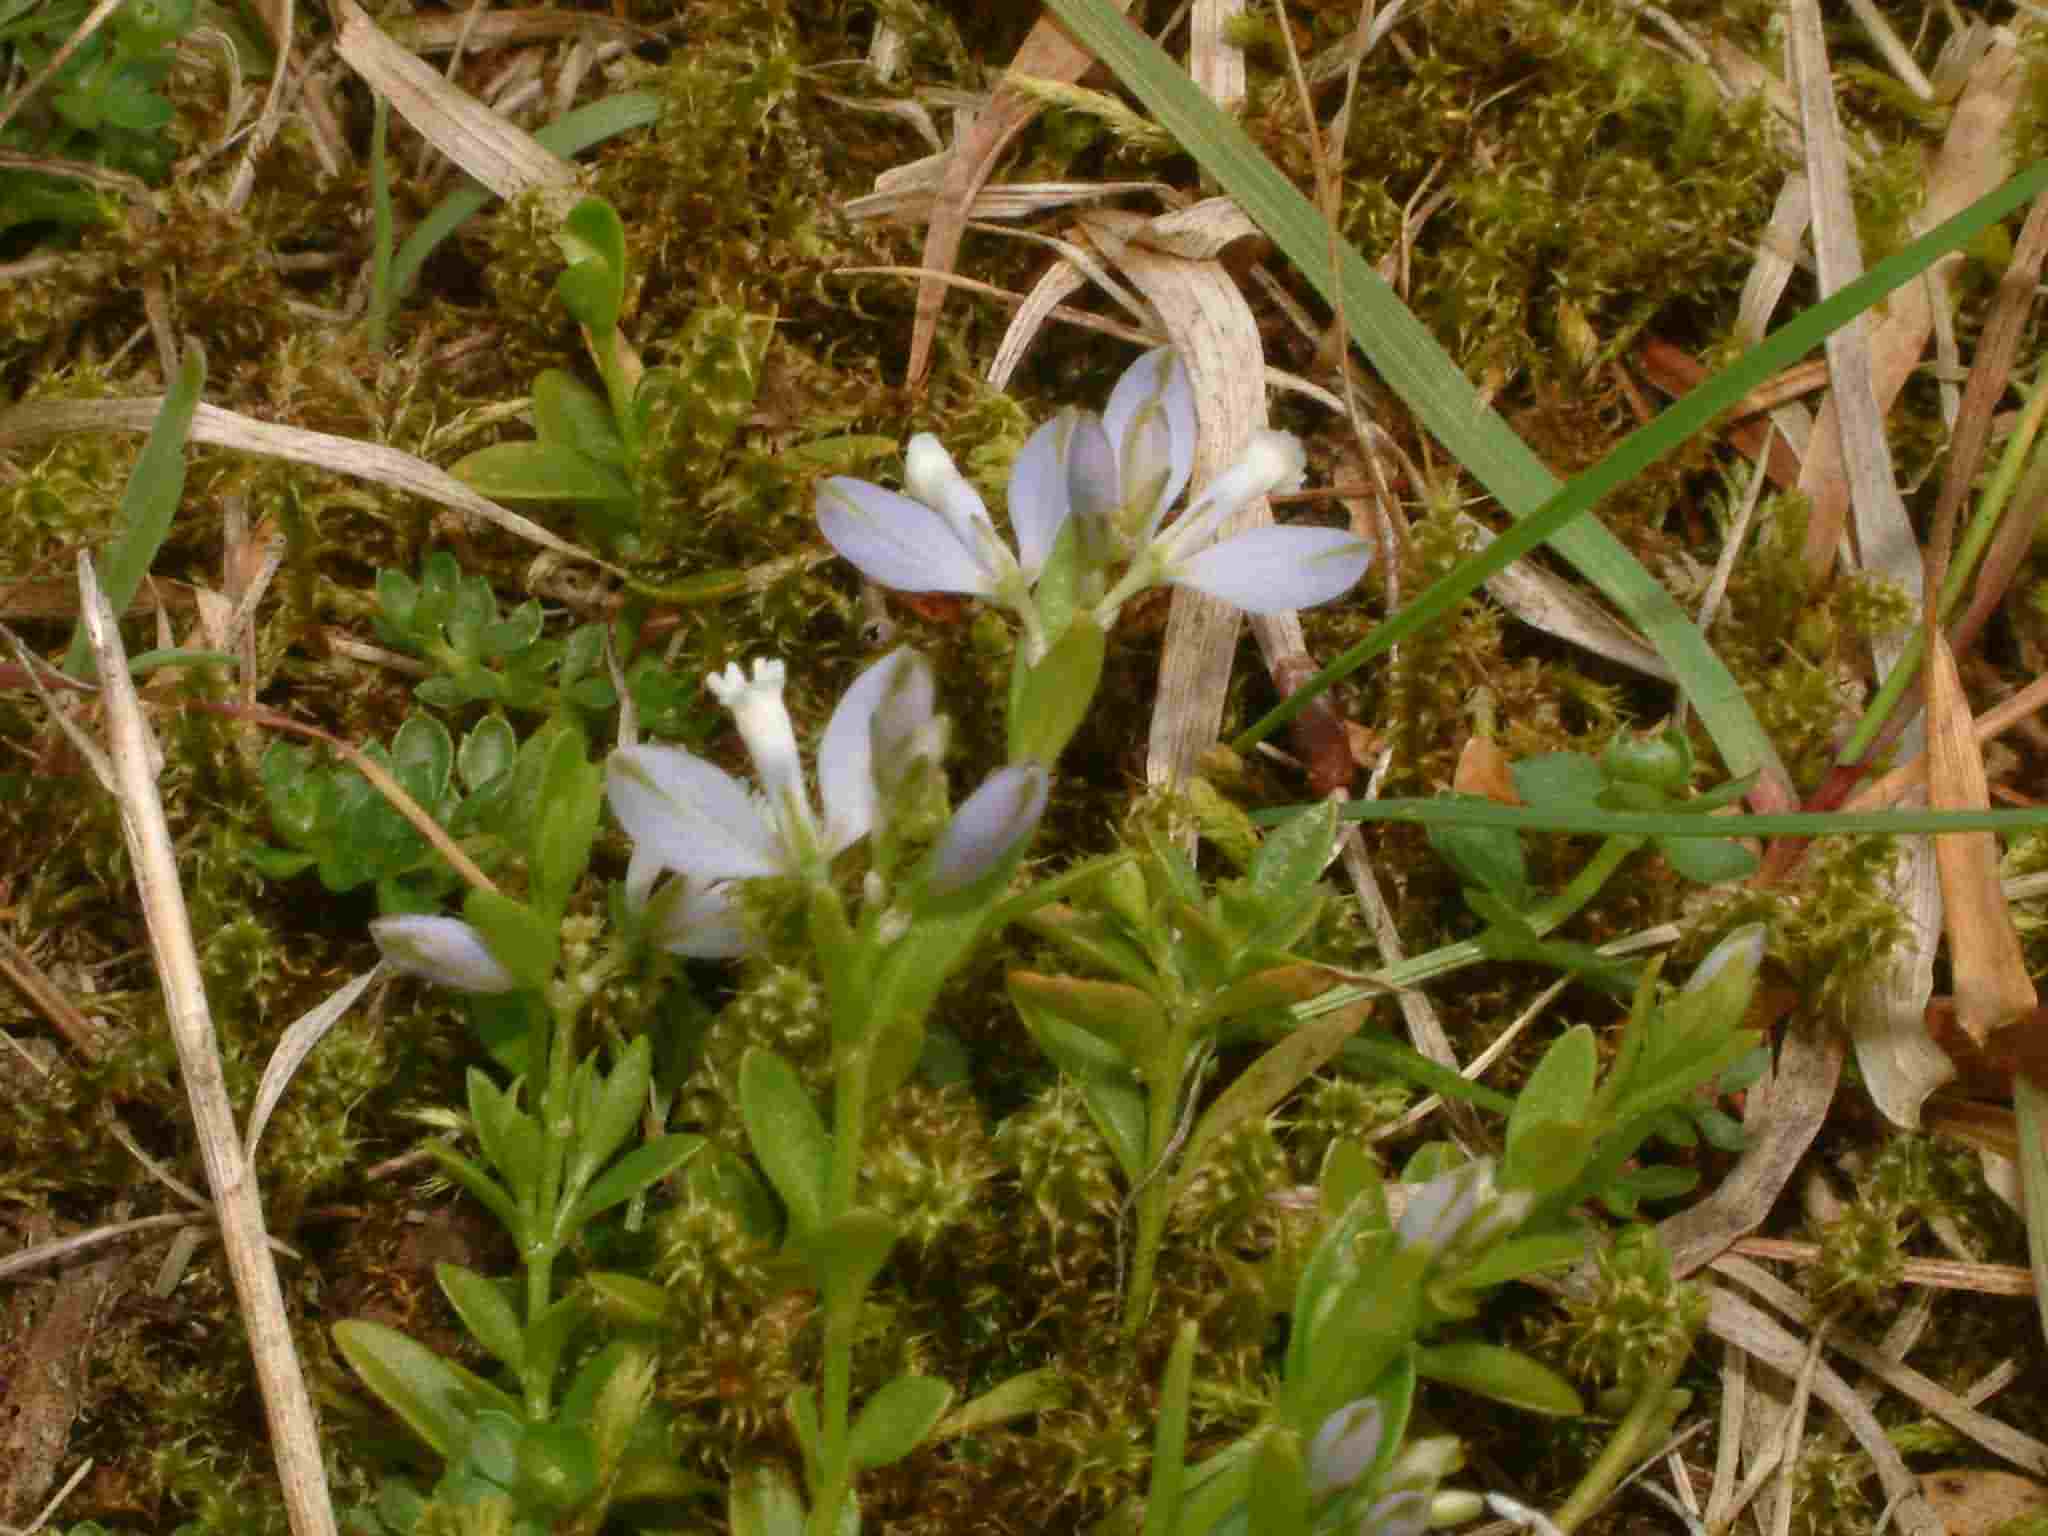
(764, 725)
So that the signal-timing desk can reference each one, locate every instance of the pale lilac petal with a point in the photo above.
(1273, 570)
(1091, 469)
(1344, 1447)
(1743, 948)
(930, 475)
(1270, 460)
(996, 819)
(1038, 492)
(896, 541)
(906, 727)
(642, 870)
(443, 950)
(1157, 382)
(846, 778)
(697, 921)
(691, 816)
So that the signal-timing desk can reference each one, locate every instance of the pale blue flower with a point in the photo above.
(443, 950)
(1116, 477)
(688, 815)
(1462, 1211)
(995, 821)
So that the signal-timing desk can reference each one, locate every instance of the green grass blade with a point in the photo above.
(1525, 818)
(569, 134)
(149, 502)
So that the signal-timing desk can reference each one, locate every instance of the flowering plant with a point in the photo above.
(1089, 494)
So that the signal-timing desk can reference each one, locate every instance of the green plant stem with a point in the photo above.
(836, 1418)
(835, 1409)
(1154, 1185)
(2030, 1105)
(1626, 1446)
(557, 1128)
(1543, 918)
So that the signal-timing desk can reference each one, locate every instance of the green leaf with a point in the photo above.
(594, 286)
(787, 1134)
(521, 939)
(763, 1502)
(148, 504)
(538, 471)
(641, 1168)
(1170, 1436)
(1038, 1391)
(484, 1311)
(1505, 1375)
(1264, 1084)
(436, 1400)
(1549, 1155)
(1122, 1017)
(1526, 1255)
(484, 1188)
(628, 1300)
(1092, 938)
(896, 1420)
(568, 412)
(422, 760)
(1488, 858)
(487, 751)
(846, 1254)
(571, 798)
(1707, 861)
(1278, 986)
(1119, 1112)
(603, 1126)
(1292, 858)
(1049, 701)
(558, 1468)
(1279, 1501)
(1561, 1087)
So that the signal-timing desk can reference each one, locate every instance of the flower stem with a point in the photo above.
(1626, 1446)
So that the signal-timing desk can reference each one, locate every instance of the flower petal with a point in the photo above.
(898, 542)
(994, 821)
(1268, 461)
(1272, 570)
(692, 816)
(1038, 492)
(697, 921)
(445, 950)
(894, 689)
(1157, 383)
(930, 475)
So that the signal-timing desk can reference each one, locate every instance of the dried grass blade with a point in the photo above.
(494, 151)
(294, 1433)
(344, 455)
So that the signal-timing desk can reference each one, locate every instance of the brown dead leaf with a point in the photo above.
(1975, 1501)
(1992, 989)
(1483, 769)
(1048, 53)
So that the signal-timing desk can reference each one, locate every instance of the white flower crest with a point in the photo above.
(688, 815)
